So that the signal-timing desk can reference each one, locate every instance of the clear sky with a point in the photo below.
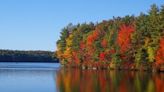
(36, 24)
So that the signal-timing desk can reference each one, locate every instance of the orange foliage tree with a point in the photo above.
(124, 37)
(92, 37)
(160, 53)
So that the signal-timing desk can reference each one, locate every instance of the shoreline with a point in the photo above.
(119, 67)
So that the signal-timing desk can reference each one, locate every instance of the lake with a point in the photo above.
(49, 77)
(28, 77)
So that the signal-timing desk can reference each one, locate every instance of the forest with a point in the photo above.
(27, 56)
(129, 42)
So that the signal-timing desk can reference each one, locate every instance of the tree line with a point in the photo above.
(27, 56)
(125, 42)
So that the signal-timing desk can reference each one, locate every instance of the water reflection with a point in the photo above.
(74, 80)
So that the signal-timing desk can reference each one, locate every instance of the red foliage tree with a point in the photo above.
(102, 56)
(123, 38)
(104, 43)
(160, 53)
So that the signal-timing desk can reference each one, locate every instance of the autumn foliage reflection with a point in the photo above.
(75, 80)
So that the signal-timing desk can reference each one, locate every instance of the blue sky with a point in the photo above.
(36, 24)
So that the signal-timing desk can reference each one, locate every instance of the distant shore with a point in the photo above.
(27, 56)
(29, 61)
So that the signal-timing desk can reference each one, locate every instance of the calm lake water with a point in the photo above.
(49, 77)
